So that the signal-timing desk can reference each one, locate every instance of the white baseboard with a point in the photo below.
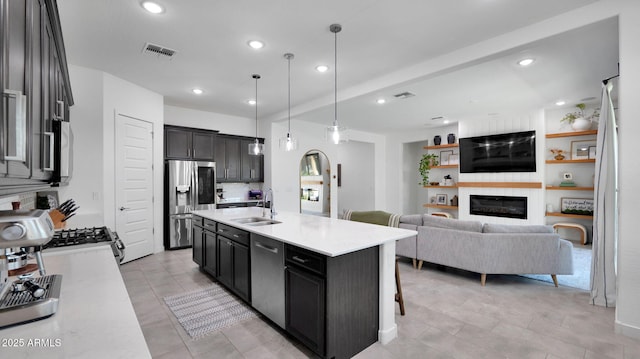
(627, 330)
(386, 336)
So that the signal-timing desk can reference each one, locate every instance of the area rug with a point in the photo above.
(203, 311)
(581, 277)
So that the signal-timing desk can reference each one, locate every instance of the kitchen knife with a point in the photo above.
(67, 217)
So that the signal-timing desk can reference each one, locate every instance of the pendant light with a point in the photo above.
(289, 143)
(335, 133)
(256, 148)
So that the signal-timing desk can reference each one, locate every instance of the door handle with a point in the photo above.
(267, 248)
(16, 149)
(51, 137)
(124, 208)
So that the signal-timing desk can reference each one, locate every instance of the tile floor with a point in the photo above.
(449, 315)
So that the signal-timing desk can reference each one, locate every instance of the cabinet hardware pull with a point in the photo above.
(60, 110)
(236, 236)
(124, 208)
(266, 248)
(301, 260)
(49, 166)
(17, 152)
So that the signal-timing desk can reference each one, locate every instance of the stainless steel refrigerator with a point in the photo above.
(190, 185)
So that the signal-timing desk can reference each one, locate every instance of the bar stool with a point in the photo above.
(398, 297)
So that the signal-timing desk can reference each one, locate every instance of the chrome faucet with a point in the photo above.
(264, 204)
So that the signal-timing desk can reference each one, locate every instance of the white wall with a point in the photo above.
(87, 182)
(627, 313)
(122, 97)
(283, 174)
(232, 125)
(358, 177)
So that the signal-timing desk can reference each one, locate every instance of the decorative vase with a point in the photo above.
(451, 138)
(581, 124)
(437, 140)
(559, 157)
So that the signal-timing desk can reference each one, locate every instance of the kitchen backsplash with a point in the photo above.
(27, 201)
(238, 191)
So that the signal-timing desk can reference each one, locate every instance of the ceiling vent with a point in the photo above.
(404, 95)
(159, 51)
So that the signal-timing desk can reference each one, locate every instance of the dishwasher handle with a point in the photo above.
(267, 248)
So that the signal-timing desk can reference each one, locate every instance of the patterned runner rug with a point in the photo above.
(206, 310)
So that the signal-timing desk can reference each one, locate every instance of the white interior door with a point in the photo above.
(134, 185)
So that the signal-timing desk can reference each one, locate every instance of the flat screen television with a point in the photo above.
(508, 152)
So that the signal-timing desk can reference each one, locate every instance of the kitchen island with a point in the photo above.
(333, 239)
(94, 319)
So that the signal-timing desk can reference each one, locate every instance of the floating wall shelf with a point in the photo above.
(572, 134)
(438, 147)
(501, 184)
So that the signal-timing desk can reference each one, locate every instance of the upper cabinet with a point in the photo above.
(233, 161)
(35, 91)
(183, 143)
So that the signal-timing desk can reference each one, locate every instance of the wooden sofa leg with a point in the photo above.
(555, 280)
(419, 265)
(414, 263)
(483, 278)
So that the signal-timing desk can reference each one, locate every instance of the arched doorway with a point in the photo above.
(315, 180)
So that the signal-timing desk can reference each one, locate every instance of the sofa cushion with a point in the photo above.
(449, 223)
(415, 219)
(515, 228)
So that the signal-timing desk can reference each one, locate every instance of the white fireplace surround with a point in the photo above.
(535, 196)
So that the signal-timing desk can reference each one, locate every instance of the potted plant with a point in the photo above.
(426, 162)
(578, 120)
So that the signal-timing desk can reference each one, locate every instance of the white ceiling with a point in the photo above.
(378, 37)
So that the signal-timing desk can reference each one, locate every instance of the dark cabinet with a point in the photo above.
(331, 303)
(305, 307)
(210, 253)
(228, 154)
(198, 241)
(183, 143)
(234, 268)
(252, 166)
(35, 90)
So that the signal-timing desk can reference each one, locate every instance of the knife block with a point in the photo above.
(57, 217)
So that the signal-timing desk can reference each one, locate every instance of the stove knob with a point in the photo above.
(13, 232)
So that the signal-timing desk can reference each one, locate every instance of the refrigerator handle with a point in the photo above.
(194, 185)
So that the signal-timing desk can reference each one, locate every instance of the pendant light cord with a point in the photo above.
(335, 82)
(256, 77)
(289, 94)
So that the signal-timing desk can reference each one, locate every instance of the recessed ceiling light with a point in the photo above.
(255, 44)
(560, 103)
(251, 102)
(380, 101)
(322, 68)
(445, 122)
(152, 7)
(197, 91)
(525, 62)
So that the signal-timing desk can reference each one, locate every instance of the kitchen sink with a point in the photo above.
(255, 221)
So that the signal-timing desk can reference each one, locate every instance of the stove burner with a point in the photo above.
(71, 237)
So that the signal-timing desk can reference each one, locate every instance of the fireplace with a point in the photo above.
(499, 206)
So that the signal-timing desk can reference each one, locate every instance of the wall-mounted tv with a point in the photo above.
(508, 152)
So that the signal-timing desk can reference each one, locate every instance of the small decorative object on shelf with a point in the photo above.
(567, 180)
(579, 206)
(578, 120)
(454, 200)
(437, 140)
(427, 161)
(448, 181)
(558, 153)
(451, 138)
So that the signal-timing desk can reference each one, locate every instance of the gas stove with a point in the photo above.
(86, 237)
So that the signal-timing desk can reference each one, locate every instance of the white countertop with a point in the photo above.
(95, 318)
(237, 200)
(328, 236)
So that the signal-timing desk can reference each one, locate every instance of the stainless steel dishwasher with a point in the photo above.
(267, 278)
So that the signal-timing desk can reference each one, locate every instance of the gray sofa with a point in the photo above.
(486, 248)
